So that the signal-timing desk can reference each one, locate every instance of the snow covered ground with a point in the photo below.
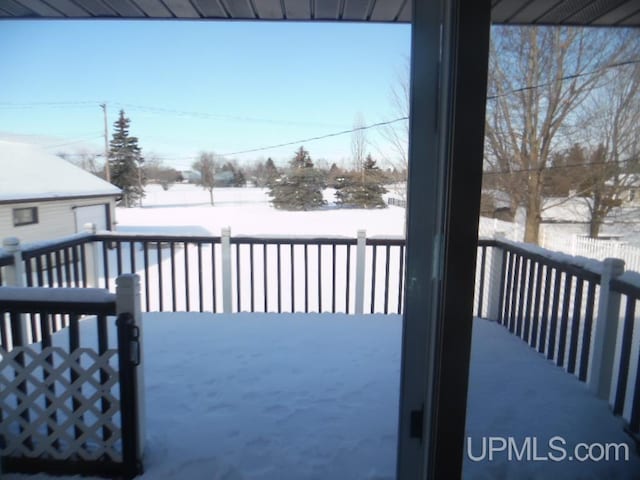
(291, 397)
(185, 209)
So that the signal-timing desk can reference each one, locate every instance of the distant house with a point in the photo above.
(630, 190)
(43, 196)
(497, 204)
(189, 176)
(225, 178)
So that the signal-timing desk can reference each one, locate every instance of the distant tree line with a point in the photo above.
(300, 186)
(212, 171)
(155, 171)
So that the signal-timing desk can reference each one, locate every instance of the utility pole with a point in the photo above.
(107, 170)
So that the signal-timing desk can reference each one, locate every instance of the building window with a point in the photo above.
(25, 216)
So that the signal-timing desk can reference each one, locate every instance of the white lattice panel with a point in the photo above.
(39, 418)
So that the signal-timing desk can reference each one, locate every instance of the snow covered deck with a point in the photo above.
(278, 397)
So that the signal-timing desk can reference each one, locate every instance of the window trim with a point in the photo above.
(450, 45)
(34, 215)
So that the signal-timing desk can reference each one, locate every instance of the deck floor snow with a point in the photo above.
(278, 397)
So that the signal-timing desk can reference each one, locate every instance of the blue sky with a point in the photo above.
(255, 84)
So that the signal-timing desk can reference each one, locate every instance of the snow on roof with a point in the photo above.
(500, 199)
(28, 172)
(570, 209)
(631, 180)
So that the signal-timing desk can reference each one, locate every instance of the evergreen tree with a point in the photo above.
(271, 172)
(333, 175)
(125, 162)
(240, 179)
(300, 188)
(232, 175)
(362, 189)
(262, 173)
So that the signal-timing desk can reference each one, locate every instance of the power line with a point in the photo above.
(566, 77)
(161, 110)
(554, 167)
(491, 97)
(72, 142)
(320, 137)
(82, 155)
(79, 103)
(207, 115)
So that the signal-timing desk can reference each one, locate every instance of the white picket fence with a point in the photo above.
(597, 249)
(571, 244)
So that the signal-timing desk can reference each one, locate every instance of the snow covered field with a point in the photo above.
(290, 397)
(185, 209)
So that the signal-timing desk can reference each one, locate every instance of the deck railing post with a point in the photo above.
(227, 292)
(606, 330)
(16, 277)
(361, 251)
(131, 355)
(15, 272)
(92, 258)
(495, 281)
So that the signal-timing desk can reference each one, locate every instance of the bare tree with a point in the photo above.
(358, 143)
(538, 78)
(85, 160)
(613, 120)
(396, 134)
(205, 167)
(155, 171)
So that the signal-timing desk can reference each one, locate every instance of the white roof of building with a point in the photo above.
(27, 172)
(629, 180)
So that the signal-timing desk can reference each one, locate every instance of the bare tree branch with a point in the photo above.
(524, 129)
